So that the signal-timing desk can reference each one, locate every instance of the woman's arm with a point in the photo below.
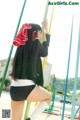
(43, 48)
(46, 36)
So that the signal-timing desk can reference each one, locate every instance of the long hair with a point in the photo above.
(22, 63)
(35, 27)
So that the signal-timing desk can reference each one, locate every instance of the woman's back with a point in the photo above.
(24, 60)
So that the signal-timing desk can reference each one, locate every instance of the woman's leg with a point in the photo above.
(17, 109)
(39, 94)
(42, 95)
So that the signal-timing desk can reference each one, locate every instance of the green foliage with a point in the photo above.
(60, 86)
(6, 83)
(47, 87)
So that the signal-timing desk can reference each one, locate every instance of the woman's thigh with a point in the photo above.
(17, 109)
(39, 94)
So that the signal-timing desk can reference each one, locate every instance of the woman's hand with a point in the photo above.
(45, 26)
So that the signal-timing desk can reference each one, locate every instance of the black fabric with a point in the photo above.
(27, 61)
(35, 27)
(48, 39)
(20, 93)
(28, 119)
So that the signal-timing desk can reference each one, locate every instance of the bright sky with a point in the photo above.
(60, 31)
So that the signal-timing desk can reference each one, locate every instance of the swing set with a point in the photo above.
(43, 63)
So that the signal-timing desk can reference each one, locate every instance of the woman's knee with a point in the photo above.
(48, 95)
(49, 98)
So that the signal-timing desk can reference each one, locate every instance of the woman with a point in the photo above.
(27, 72)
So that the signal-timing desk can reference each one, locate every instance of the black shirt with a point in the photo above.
(27, 61)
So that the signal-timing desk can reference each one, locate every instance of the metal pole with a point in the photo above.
(76, 78)
(66, 84)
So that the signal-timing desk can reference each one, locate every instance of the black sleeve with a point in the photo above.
(48, 38)
(43, 48)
